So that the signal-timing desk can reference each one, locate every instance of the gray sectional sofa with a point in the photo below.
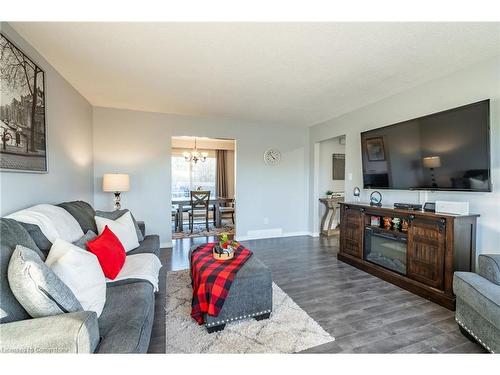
(124, 325)
(478, 302)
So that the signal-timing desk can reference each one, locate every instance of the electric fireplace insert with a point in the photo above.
(386, 249)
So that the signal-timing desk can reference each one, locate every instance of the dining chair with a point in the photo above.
(175, 217)
(226, 210)
(200, 202)
(185, 210)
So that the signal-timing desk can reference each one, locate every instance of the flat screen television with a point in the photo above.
(448, 150)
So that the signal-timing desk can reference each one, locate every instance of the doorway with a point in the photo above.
(203, 186)
(329, 184)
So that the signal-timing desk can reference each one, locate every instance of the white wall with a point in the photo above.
(69, 145)
(138, 143)
(475, 83)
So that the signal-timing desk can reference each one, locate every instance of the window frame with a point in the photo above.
(191, 174)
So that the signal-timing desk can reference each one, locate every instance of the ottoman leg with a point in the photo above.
(216, 328)
(263, 316)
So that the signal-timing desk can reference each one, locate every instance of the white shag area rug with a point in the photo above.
(288, 330)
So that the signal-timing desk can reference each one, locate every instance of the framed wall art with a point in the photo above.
(23, 136)
(375, 149)
(338, 164)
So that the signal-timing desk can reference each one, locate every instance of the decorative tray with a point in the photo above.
(223, 253)
(223, 256)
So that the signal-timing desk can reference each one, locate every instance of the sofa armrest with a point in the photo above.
(489, 267)
(65, 333)
(142, 227)
(479, 293)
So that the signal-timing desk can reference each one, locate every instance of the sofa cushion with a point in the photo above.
(127, 318)
(142, 228)
(82, 241)
(12, 234)
(113, 215)
(36, 234)
(71, 210)
(54, 222)
(150, 244)
(83, 213)
(123, 228)
(81, 272)
(37, 288)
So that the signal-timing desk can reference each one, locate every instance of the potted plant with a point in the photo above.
(226, 243)
(225, 248)
(329, 194)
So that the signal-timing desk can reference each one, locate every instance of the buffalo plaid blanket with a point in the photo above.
(212, 279)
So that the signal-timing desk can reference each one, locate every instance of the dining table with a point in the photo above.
(185, 201)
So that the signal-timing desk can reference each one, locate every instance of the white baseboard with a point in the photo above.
(295, 234)
(259, 235)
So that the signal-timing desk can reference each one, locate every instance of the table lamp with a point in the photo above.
(432, 162)
(116, 183)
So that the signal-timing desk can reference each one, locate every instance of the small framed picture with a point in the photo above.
(375, 149)
(375, 221)
(338, 164)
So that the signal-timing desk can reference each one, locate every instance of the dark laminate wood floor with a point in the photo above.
(363, 313)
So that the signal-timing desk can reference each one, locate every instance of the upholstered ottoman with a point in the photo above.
(250, 296)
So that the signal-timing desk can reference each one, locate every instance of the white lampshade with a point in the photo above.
(432, 162)
(114, 182)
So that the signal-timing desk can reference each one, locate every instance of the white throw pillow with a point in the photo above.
(81, 272)
(123, 228)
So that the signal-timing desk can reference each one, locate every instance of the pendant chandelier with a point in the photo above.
(194, 155)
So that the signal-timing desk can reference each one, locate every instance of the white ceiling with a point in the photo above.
(296, 74)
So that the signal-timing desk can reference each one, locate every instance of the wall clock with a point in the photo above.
(272, 156)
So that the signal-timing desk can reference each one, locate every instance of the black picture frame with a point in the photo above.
(375, 150)
(338, 166)
(23, 128)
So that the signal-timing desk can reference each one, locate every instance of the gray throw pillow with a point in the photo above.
(83, 213)
(40, 240)
(12, 234)
(82, 241)
(113, 215)
(36, 287)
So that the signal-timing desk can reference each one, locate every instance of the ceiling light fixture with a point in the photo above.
(194, 155)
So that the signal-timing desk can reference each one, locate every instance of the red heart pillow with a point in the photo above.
(109, 251)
